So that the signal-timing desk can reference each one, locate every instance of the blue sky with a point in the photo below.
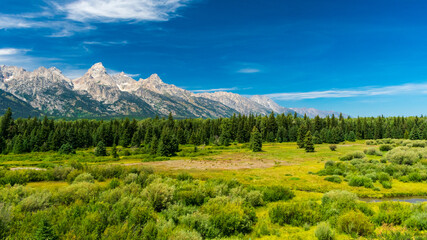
(365, 57)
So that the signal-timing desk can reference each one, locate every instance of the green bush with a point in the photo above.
(84, 177)
(37, 201)
(337, 201)
(324, 231)
(229, 216)
(355, 223)
(417, 220)
(382, 176)
(184, 177)
(361, 181)
(201, 223)
(385, 147)
(333, 147)
(277, 193)
(370, 142)
(159, 195)
(373, 151)
(386, 184)
(392, 213)
(353, 155)
(296, 214)
(334, 178)
(185, 235)
(255, 198)
(403, 155)
(114, 183)
(66, 149)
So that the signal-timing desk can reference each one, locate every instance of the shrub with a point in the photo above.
(339, 200)
(159, 195)
(415, 177)
(229, 216)
(417, 220)
(361, 181)
(353, 155)
(418, 144)
(82, 191)
(184, 176)
(382, 176)
(324, 232)
(66, 149)
(385, 147)
(386, 184)
(392, 213)
(100, 149)
(355, 222)
(114, 183)
(201, 223)
(296, 214)
(334, 178)
(333, 147)
(84, 177)
(370, 142)
(403, 155)
(372, 151)
(277, 193)
(255, 198)
(131, 178)
(194, 195)
(37, 201)
(185, 235)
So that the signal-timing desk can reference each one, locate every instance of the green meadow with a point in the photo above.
(222, 192)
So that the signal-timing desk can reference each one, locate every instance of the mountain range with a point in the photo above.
(98, 94)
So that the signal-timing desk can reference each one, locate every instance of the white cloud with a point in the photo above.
(215, 90)
(410, 88)
(248, 70)
(108, 43)
(122, 10)
(11, 51)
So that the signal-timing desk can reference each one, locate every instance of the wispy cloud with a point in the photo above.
(122, 10)
(60, 28)
(215, 90)
(249, 70)
(79, 15)
(410, 88)
(20, 57)
(12, 51)
(108, 43)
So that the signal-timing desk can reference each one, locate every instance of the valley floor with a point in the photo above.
(278, 164)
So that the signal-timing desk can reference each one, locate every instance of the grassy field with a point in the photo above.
(278, 164)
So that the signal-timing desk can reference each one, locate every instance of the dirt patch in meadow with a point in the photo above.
(217, 164)
(27, 168)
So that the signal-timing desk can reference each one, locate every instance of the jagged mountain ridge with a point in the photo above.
(99, 94)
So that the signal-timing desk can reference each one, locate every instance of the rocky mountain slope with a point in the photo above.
(99, 94)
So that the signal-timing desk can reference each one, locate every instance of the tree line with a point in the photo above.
(163, 135)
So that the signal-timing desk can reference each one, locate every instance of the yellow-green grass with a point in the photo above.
(278, 164)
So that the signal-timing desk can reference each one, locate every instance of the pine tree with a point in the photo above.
(114, 151)
(6, 121)
(415, 134)
(153, 145)
(301, 135)
(308, 142)
(100, 149)
(66, 149)
(256, 140)
(351, 137)
(282, 135)
(18, 145)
